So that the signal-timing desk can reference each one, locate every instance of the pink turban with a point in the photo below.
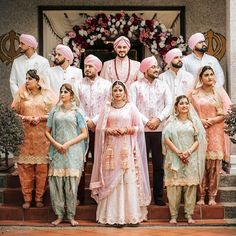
(65, 51)
(91, 59)
(194, 39)
(170, 55)
(120, 41)
(147, 63)
(29, 40)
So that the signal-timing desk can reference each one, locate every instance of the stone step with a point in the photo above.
(229, 210)
(228, 181)
(14, 196)
(88, 212)
(227, 194)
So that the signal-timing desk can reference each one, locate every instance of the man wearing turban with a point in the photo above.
(63, 72)
(28, 60)
(180, 81)
(199, 58)
(93, 91)
(121, 68)
(154, 101)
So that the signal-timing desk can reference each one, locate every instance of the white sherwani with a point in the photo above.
(57, 76)
(122, 67)
(21, 65)
(153, 100)
(192, 64)
(93, 95)
(181, 83)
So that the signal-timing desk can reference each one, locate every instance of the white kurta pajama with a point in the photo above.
(57, 76)
(153, 100)
(127, 74)
(181, 83)
(192, 64)
(21, 65)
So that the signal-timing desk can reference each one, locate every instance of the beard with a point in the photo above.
(177, 65)
(202, 50)
(122, 55)
(58, 63)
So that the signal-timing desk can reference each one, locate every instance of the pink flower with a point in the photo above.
(72, 34)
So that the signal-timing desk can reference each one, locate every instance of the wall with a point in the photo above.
(22, 17)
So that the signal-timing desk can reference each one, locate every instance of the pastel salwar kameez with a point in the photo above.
(65, 169)
(181, 176)
(209, 106)
(33, 159)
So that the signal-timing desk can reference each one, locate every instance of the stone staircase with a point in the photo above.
(11, 200)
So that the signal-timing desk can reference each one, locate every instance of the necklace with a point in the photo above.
(118, 106)
(117, 73)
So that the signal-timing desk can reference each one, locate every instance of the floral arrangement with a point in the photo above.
(151, 33)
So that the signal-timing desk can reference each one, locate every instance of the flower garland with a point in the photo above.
(150, 33)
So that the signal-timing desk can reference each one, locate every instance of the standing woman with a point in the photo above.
(67, 132)
(184, 149)
(120, 182)
(211, 105)
(33, 103)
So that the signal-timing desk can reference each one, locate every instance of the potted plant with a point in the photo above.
(230, 123)
(11, 134)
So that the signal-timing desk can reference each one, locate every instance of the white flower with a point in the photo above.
(81, 32)
(161, 44)
(117, 23)
(103, 38)
(136, 27)
(85, 33)
(65, 40)
(163, 28)
(122, 26)
(142, 23)
(97, 29)
(92, 43)
(113, 20)
(130, 34)
(129, 23)
(113, 26)
(115, 32)
(88, 40)
(99, 36)
(102, 30)
(163, 38)
(109, 23)
(123, 22)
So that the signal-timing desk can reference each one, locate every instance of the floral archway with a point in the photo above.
(150, 32)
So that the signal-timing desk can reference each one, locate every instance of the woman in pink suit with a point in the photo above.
(211, 104)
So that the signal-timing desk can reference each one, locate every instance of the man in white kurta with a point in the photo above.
(63, 72)
(179, 81)
(199, 58)
(122, 67)
(92, 91)
(29, 60)
(154, 101)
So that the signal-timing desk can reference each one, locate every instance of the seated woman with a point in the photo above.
(120, 182)
(67, 132)
(33, 103)
(184, 149)
(211, 105)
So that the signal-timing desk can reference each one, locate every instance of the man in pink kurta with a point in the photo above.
(154, 101)
(121, 68)
(93, 91)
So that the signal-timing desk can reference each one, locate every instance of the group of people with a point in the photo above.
(120, 117)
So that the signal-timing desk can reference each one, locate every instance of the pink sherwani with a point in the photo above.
(154, 100)
(93, 94)
(122, 67)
